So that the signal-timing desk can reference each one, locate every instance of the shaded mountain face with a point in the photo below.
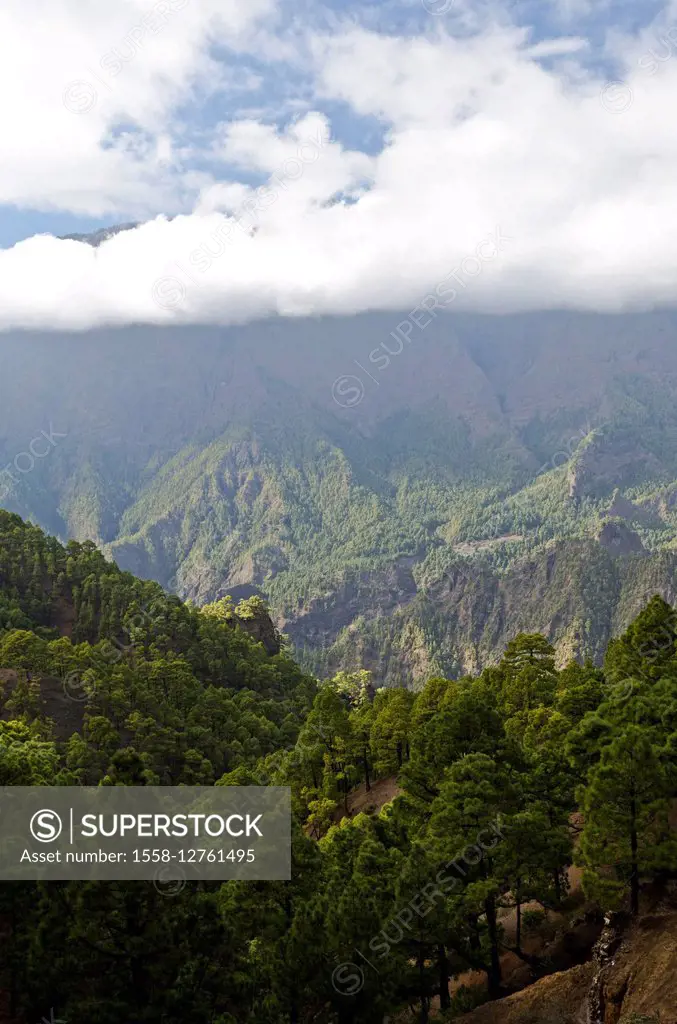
(348, 470)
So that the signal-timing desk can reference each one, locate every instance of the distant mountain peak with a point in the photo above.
(95, 238)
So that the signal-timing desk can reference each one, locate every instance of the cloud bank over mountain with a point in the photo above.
(513, 172)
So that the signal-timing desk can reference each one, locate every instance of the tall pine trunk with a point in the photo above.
(422, 991)
(634, 866)
(443, 972)
(494, 972)
(558, 886)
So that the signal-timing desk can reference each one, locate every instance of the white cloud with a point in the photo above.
(480, 134)
(557, 47)
(73, 72)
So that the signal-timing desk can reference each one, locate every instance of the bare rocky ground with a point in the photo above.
(640, 978)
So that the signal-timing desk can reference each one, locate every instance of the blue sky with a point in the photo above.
(285, 88)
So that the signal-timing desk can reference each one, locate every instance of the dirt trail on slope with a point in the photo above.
(381, 793)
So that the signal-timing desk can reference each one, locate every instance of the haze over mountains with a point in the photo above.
(404, 504)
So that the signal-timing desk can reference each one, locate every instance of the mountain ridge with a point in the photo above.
(216, 459)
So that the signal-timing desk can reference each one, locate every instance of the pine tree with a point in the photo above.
(626, 834)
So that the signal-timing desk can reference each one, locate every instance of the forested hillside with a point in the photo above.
(226, 462)
(171, 693)
(504, 780)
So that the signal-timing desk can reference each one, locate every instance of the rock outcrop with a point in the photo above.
(632, 978)
(618, 539)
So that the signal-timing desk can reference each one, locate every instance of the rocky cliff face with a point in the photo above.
(254, 619)
(578, 593)
(632, 980)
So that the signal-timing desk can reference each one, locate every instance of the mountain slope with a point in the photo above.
(238, 461)
(77, 634)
